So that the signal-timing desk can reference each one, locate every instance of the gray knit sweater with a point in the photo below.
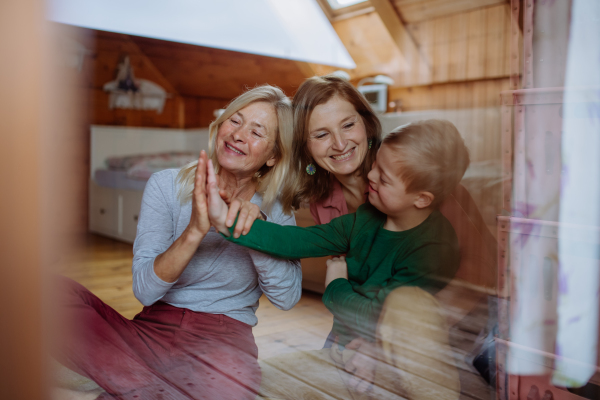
(222, 277)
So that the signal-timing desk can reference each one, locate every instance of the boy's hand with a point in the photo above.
(336, 268)
(217, 208)
(248, 213)
(362, 364)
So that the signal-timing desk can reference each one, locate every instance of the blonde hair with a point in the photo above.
(303, 188)
(270, 180)
(432, 156)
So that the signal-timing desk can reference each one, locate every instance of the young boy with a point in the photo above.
(397, 239)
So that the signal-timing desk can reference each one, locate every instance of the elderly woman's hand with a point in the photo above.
(199, 222)
(217, 208)
(169, 265)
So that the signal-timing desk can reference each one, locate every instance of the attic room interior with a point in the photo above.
(142, 120)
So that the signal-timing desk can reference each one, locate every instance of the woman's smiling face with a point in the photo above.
(337, 138)
(246, 140)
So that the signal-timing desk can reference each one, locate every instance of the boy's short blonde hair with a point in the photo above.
(432, 157)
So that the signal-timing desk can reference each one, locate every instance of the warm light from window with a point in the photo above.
(337, 4)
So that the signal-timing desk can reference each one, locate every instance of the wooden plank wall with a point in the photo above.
(464, 46)
(467, 53)
(420, 10)
(452, 95)
(107, 51)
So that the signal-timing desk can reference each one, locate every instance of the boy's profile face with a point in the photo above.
(387, 192)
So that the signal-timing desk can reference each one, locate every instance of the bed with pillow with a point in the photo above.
(122, 160)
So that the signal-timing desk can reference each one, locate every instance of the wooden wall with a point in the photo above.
(451, 95)
(465, 46)
(197, 79)
(421, 10)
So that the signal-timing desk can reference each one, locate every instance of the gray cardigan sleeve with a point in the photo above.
(154, 237)
(280, 280)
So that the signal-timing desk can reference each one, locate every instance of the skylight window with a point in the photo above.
(337, 4)
(273, 28)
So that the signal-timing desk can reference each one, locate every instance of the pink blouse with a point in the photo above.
(331, 207)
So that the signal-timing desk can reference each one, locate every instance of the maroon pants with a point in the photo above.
(165, 352)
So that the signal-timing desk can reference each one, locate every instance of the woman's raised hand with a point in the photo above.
(217, 208)
(199, 222)
(169, 265)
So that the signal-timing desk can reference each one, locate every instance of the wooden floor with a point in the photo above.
(104, 266)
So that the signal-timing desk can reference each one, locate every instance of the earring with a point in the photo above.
(311, 169)
(370, 143)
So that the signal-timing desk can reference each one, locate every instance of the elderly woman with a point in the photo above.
(193, 338)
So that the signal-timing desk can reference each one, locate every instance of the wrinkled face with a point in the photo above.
(387, 192)
(246, 140)
(337, 138)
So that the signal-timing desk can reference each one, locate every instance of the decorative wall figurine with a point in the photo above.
(128, 92)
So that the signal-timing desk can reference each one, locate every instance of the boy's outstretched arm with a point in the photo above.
(287, 242)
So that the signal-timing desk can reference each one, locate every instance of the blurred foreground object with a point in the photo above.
(37, 207)
(20, 215)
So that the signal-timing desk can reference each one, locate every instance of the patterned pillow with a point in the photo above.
(142, 166)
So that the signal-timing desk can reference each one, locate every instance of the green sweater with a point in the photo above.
(378, 261)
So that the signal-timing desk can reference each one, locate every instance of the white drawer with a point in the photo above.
(131, 203)
(104, 210)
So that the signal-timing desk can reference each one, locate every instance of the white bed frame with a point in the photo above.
(114, 212)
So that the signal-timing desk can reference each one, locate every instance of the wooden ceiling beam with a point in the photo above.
(177, 98)
(155, 71)
(306, 69)
(399, 33)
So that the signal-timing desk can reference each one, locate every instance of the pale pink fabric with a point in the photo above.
(332, 206)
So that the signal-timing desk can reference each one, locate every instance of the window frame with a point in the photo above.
(345, 12)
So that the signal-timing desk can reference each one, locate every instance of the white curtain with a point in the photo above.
(579, 238)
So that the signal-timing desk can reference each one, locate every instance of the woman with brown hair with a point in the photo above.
(336, 137)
